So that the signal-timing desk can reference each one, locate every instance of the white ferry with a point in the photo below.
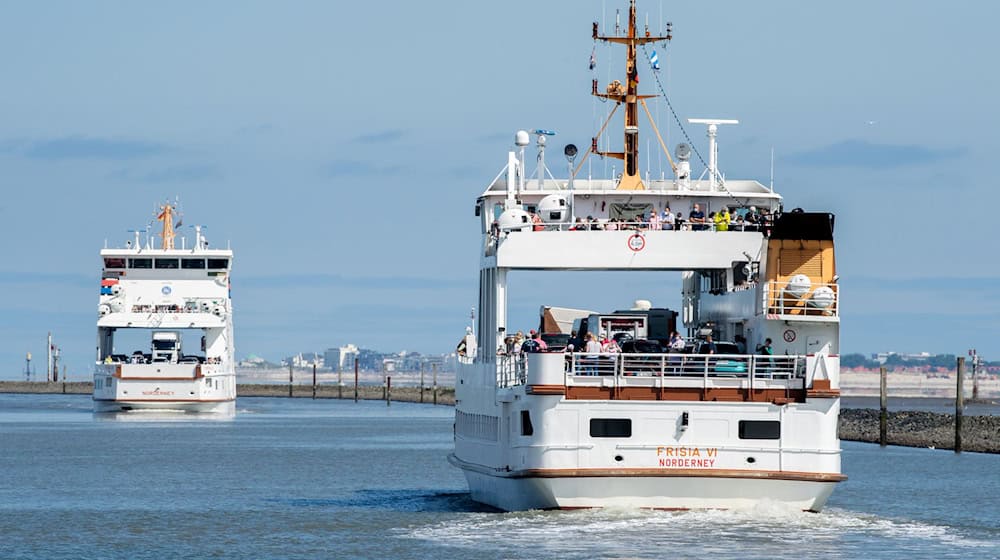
(649, 428)
(165, 327)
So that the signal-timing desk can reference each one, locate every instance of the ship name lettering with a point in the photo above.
(688, 463)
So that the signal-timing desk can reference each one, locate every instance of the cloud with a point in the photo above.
(79, 147)
(352, 168)
(860, 153)
(380, 137)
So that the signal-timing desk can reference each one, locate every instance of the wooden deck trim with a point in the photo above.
(680, 473)
(711, 394)
(546, 389)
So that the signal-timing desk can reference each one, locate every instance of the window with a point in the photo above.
(192, 263)
(526, 428)
(114, 262)
(760, 429)
(140, 263)
(610, 427)
(166, 263)
(218, 264)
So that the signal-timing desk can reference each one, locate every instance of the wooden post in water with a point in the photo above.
(314, 380)
(388, 389)
(883, 415)
(434, 369)
(289, 379)
(959, 404)
(355, 380)
(421, 382)
(340, 381)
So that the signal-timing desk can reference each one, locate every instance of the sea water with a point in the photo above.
(337, 479)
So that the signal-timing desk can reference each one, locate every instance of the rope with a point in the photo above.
(663, 93)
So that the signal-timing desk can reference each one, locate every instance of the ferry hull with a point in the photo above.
(209, 407)
(518, 491)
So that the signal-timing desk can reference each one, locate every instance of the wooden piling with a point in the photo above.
(340, 381)
(434, 370)
(883, 415)
(355, 380)
(314, 380)
(959, 404)
(289, 379)
(421, 382)
(388, 390)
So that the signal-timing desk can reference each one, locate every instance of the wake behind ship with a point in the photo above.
(621, 410)
(165, 327)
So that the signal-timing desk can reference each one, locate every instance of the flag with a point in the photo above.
(593, 58)
(654, 61)
(179, 223)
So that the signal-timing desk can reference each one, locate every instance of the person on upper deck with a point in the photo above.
(676, 343)
(697, 218)
(579, 225)
(667, 218)
(536, 223)
(654, 221)
(722, 219)
(766, 349)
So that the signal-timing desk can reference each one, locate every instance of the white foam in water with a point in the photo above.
(765, 529)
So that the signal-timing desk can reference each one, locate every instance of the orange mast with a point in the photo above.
(631, 177)
(167, 217)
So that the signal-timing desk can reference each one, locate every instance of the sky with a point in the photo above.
(339, 147)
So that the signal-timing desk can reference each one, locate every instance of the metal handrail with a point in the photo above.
(777, 299)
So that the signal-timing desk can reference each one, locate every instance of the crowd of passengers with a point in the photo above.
(727, 219)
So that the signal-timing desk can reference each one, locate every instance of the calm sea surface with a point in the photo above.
(334, 479)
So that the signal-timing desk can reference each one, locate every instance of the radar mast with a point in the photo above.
(627, 94)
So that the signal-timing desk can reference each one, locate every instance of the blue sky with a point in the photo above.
(340, 148)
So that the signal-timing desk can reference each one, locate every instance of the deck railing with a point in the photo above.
(512, 370)
(816, 300)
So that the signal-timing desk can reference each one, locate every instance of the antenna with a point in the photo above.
(713, 148)
(772, 169)
(541, 154)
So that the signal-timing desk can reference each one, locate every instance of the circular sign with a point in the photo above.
(165, 290)
(789, 335)
(636, 242)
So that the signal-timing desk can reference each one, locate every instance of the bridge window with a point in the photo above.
(760, 429)
(218, 264)
(140, 263)
(114, 262)
(165, 263)
(611, 427)
(192, 263)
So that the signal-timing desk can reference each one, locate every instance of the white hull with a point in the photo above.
(225, 407)
(515, 492)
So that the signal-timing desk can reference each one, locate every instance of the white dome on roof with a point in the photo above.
(514, 219)
(553, 208)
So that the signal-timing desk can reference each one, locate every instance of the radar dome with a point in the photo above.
(642, 305)
(798, 285)
(514, 219)
(553, 208)
(521, 138)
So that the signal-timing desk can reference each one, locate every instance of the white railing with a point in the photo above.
(512, 370)
(816, 300)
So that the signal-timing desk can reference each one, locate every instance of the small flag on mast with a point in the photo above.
(654, 60)
(593, 58)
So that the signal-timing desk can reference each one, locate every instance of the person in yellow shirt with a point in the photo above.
(722, 220)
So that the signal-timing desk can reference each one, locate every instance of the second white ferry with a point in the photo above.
(165, 326)
(747, 415)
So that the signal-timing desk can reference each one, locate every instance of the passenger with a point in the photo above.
(579, 225)
(536, 222)
(738, 223)
(680, 223)
(697, 218)
(638, 222)
(537, 337)
(610, 346)
(593, 349)
(722, 219)
(667, 218)
(654, 221)
(741, 344)
(752, 220)
(107, 359)
(710, 221)
(676, 345)
(708, 347)
(765, 366)
(611, 225)
(518, 342)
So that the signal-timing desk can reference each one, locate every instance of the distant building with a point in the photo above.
(341, 358)
(304, 359)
